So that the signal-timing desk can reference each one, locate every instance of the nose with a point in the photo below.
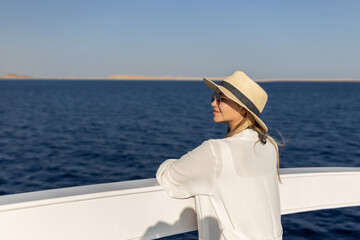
(214, 103)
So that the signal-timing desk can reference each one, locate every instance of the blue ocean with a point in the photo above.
(57, 133)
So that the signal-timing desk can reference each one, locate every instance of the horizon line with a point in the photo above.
(13, 76)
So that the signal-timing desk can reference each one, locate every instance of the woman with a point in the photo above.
(238, 174)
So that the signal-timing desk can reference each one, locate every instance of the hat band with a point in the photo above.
(249, 104)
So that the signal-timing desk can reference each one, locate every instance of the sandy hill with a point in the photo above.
(13, 75)
(142, 77)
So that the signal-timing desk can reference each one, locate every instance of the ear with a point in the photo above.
(243, 112)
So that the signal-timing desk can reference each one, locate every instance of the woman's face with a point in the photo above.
(227, 111)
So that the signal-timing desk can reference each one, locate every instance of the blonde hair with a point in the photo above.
(249, 122)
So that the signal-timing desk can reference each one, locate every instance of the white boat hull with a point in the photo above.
(142, 210)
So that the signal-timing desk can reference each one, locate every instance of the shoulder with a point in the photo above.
(205, 149)
(209, 149)
(245, 135)
(211, 143)
(271, 141)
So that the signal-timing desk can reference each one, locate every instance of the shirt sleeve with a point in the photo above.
(193, 174)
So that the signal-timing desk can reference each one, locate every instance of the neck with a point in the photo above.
(239, 126)
(232, 126)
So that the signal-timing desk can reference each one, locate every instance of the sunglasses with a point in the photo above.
(218, 97)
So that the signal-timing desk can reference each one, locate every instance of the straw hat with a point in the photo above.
(244, 91)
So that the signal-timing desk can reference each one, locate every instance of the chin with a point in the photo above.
(217, 119)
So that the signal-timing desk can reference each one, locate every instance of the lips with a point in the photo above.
(215, 111)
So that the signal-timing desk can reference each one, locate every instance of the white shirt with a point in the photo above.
(238, 175)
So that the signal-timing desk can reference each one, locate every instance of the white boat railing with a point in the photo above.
(142, 210)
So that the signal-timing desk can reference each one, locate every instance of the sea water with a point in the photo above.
(69, 133)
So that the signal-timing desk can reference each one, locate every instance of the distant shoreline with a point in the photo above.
(13, 76)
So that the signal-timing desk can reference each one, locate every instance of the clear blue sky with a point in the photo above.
(265, 39)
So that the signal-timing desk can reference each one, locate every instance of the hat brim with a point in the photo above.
(213, 86)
